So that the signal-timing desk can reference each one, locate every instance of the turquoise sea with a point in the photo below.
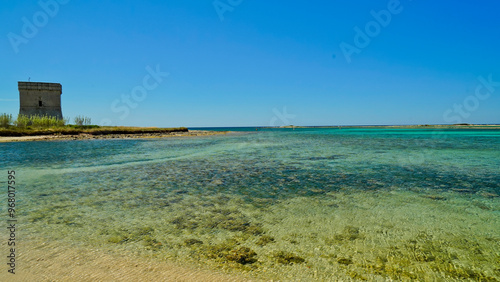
(307, 204)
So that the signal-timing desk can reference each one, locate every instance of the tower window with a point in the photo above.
(40, 103)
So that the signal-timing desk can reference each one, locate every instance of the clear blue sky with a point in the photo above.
(248, 61)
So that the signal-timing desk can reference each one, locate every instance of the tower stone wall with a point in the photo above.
(41, 99)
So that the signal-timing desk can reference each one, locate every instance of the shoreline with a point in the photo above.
(87, 136)
(56, 136)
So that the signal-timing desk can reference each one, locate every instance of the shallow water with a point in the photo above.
(310, 204)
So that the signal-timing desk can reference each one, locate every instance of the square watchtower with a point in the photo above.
(40, 98)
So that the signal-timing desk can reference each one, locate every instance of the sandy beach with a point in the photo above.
(43, 261)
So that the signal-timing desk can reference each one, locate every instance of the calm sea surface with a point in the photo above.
(309, 204)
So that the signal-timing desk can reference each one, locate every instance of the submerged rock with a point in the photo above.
(332, 157)
(192, 241)
(349, 233)
(287, 258)
(345, 261)
(242, 255)
(489, 195)
(463, 190)
(264, 240)
(435, 197)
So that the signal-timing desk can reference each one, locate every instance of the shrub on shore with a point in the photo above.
(44, 125)
(36, 122)
(81, 120)
(5, 120)
(39, 122)
(22, 121)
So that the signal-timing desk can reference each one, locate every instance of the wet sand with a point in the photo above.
(42, 261)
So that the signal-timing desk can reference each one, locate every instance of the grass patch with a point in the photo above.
(87, 129)
(37, 122)
(5, 121)
(45, 125)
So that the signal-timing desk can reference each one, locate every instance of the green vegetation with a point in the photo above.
(31, 122)
(5, 120)
(39, 122)
(44, 125)
(91, 130)
(81, 120)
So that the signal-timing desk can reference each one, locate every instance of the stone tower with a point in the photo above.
(42, 99)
